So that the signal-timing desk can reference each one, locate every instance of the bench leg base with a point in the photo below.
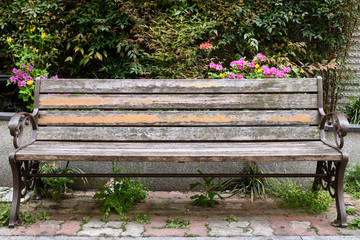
(15, 205)
(334, 184)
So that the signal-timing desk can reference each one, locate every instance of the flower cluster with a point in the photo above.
(255, 68)
(23, 76)
(205, 46)
(216, 66)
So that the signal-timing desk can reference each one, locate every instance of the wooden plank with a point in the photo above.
(178, 85)
(184, 152)
(180, 101)
(178, 133)
(181, 118)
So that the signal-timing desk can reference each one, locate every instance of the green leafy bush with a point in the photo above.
(55, 187)
(209, 190)
(294, 196)
(121, 194)
(352, 110)
(253, 185)
(352, 181)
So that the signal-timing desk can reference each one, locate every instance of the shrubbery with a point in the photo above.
(161, 38)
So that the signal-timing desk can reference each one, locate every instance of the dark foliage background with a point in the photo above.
(161, 38)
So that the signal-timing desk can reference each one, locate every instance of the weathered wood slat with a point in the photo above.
(183, 152)
(178, 133)
(184, 118)
(177, 85)
(182, 101)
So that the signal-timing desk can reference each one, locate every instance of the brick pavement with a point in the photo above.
(79, 215)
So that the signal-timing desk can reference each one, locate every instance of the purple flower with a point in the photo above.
(14, 70)
(30, 68)
(239, 77)
(56, 77)
(13, 79)
(21, 84)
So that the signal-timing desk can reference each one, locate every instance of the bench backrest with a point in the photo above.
(178, 110)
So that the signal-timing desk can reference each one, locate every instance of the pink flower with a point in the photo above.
(262, 58)
(205, 46)
(56, 77)
(242, 62)
(231, 75)
(286, 69)
(216, 66)
(239, 77)
(30, 68)
(251, 64)
(239, 67)
(14, 70)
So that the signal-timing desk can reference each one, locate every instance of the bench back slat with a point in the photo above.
(180, 118)
(295, 85)
(180, 101)
(178, 133)
(178, 110)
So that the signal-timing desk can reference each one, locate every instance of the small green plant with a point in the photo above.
(355, 223)
(56, 187)
(350, 211)
(253, 185)
(231, 218)
(43, 216)
(141, 218)
(86, 219)
(176, 223)
(121, 194)
(27, 217)
(352, 110)
(315, 228)
(207, 198)
(4, 214)
(294, 196)
(352, 181)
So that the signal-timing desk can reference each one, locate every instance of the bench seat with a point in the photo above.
(179, 151)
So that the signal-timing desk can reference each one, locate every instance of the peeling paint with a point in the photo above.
(75, 101)
(298, 118)
(139, 118)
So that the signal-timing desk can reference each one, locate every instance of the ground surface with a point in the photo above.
(233, 217)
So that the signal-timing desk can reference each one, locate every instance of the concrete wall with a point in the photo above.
(351, 146)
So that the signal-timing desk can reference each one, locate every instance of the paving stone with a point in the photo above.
(100, 232)
(197, 228)
(168, 232)
(69, 228)
(261, 228)
(5, 231)
(239, 224)
(114, 224)
(35, 230)
(94, 222)
(231, 232)
(300, 224)
(51, 223)
(133, 230)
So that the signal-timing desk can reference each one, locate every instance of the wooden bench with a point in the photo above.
(212, 120)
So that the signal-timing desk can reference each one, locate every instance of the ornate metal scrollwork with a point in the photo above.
(18, 123)
(340, 125)
(329, 182)
(28, 183)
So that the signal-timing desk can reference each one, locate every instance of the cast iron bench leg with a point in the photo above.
(14, 212)
(339, 193)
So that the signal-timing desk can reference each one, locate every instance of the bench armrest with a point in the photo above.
(340, 125)
(17, 124)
